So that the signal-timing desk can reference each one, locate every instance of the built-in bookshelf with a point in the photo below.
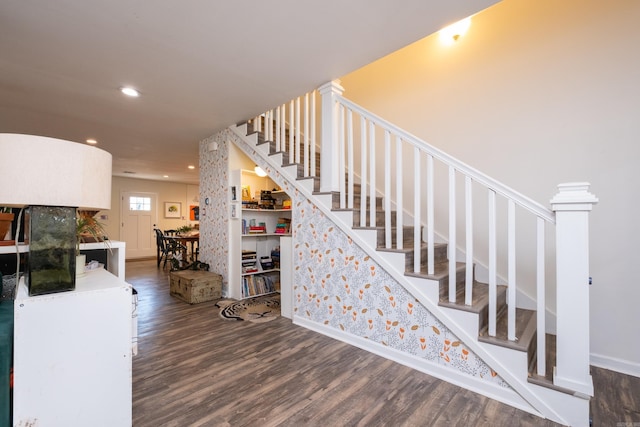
(263, 217)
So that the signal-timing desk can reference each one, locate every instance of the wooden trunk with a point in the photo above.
(194, 286)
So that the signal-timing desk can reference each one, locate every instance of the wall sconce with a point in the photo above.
(258, 170)
(453, 32)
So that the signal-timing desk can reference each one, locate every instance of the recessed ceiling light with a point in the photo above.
(92, 141)
(129, 91)
(191, 167)
(165, 176)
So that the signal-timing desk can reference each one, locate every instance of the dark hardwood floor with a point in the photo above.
(195, 369)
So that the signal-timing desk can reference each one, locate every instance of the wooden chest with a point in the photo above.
(194, 286)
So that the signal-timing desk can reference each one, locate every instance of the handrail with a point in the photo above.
(522, 200)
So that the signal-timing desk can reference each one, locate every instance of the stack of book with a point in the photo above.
(258, 229)
(283, 226)
(249, 262)
(253, 228)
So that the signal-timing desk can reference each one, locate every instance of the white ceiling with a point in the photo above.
(201, 65)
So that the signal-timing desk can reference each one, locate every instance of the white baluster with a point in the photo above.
(468, 290)
(511, 267)
(430, 217)
(452, 234)
(493, 301)
(350, 157)
(363, 172)
(283, 130)
(306, 135)
(277, 129)
(297, 138)
(312, 154)
(399, 207)
(417, 244)
(341, 160)
(540, 296)
(372, 177)
(292, 131)
(387, 189)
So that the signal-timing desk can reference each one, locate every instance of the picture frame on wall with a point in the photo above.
(172, 209)
(234, 210)
(234, 193)
(246, 193)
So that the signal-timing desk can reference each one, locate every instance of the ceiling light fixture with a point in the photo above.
(191, 167)
(92, 141)
(259, 171)
(129, 91)
(453, 32)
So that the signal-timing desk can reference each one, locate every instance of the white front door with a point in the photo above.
(139, 213)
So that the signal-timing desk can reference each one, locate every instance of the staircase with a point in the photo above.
(512, 340)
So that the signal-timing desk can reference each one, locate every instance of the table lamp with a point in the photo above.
(52, 178)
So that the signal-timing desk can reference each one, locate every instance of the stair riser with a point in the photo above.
(379, 219)
(407, 237)
(439, 256)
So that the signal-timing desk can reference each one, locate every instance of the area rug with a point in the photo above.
(257, 310)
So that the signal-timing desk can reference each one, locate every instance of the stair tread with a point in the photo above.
(547, 379)
(525, 330)
(479, 300)
(440, 271)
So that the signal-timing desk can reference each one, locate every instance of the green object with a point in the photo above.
(6, 360)
(52, 245)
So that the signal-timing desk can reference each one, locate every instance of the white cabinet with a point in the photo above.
(72, 354)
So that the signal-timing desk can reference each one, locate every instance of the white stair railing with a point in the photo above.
(357, 145)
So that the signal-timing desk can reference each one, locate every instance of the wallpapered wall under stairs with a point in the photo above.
(335, 283)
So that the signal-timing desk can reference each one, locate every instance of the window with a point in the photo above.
(139, 203)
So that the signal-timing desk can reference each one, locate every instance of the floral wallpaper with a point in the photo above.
(214, 217)
(335, 283)
(338, 285)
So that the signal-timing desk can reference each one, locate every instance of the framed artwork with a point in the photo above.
(246, 192)
(172, 209)
(234, 193)
(194, 213)
(234, 211)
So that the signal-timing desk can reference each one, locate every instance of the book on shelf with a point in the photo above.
(247, 254)
(257, 285)
(283, 226)
(266, 262)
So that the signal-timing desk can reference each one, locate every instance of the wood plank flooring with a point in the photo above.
(195, 369)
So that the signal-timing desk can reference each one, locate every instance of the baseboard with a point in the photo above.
(493, 391)
(614, 364)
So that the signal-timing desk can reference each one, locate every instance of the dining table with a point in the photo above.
(185, 239)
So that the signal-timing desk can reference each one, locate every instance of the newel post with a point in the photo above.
(572, 205)
(329, 136)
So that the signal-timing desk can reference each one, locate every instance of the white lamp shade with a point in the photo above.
(38, 170)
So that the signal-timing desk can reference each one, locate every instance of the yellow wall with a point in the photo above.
(539, 92)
